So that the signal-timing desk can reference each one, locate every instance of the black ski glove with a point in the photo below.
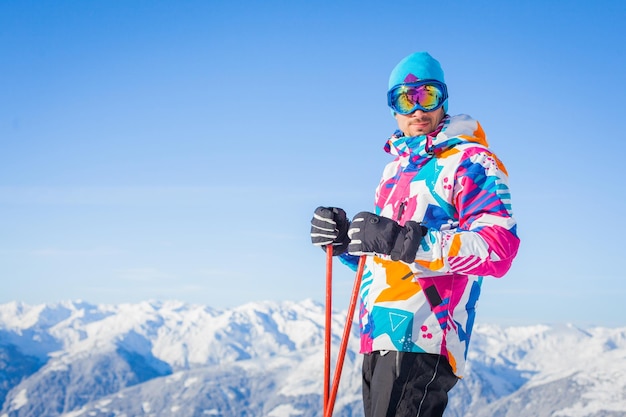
(329, 226)
(375, 235)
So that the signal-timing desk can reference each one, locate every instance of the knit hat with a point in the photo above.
(415, 67)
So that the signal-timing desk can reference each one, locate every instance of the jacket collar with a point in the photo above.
(451, 131)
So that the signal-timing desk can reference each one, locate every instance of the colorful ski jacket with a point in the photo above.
(453, 184)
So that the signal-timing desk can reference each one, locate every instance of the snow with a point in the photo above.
(76, 413)
(284, 341)
(603, 376)
(104, 403)
(20, 400)
(284, 411)
(191, 381)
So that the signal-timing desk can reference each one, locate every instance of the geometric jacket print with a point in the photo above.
(455, 186)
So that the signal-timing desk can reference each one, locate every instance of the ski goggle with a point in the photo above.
(425, 95)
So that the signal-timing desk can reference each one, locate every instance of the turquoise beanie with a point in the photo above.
(415, 67)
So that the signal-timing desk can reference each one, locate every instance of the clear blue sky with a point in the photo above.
(177, 149)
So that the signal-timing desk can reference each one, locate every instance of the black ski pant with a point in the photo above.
(405, 384)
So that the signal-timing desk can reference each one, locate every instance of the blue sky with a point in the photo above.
(177, 149)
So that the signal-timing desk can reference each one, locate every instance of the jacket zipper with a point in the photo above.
(400, 211)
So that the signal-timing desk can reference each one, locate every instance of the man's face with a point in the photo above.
(419, 122)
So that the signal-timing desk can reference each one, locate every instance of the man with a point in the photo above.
(442, 221)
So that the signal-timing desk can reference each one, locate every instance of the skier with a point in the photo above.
(442, 221)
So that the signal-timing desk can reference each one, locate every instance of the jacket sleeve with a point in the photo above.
(484, 241)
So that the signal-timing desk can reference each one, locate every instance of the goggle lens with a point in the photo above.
(425, 95)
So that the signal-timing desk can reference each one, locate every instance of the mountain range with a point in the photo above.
(166, 359)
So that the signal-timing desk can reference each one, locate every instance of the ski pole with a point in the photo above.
(328, 411)
(328, 332)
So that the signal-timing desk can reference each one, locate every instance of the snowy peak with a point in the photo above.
(266, 359)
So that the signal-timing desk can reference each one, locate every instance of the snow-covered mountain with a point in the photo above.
(163, 359)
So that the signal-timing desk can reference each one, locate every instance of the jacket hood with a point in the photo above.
(452, 131)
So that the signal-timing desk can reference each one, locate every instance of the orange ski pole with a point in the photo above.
(328, 410)
(328, 332)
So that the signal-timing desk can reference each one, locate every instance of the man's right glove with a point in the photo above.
(329, 226)
(375, 235)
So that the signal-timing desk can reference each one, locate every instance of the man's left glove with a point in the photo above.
(329, 226)
(371, 234)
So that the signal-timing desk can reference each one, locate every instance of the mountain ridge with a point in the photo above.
(168, 358)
